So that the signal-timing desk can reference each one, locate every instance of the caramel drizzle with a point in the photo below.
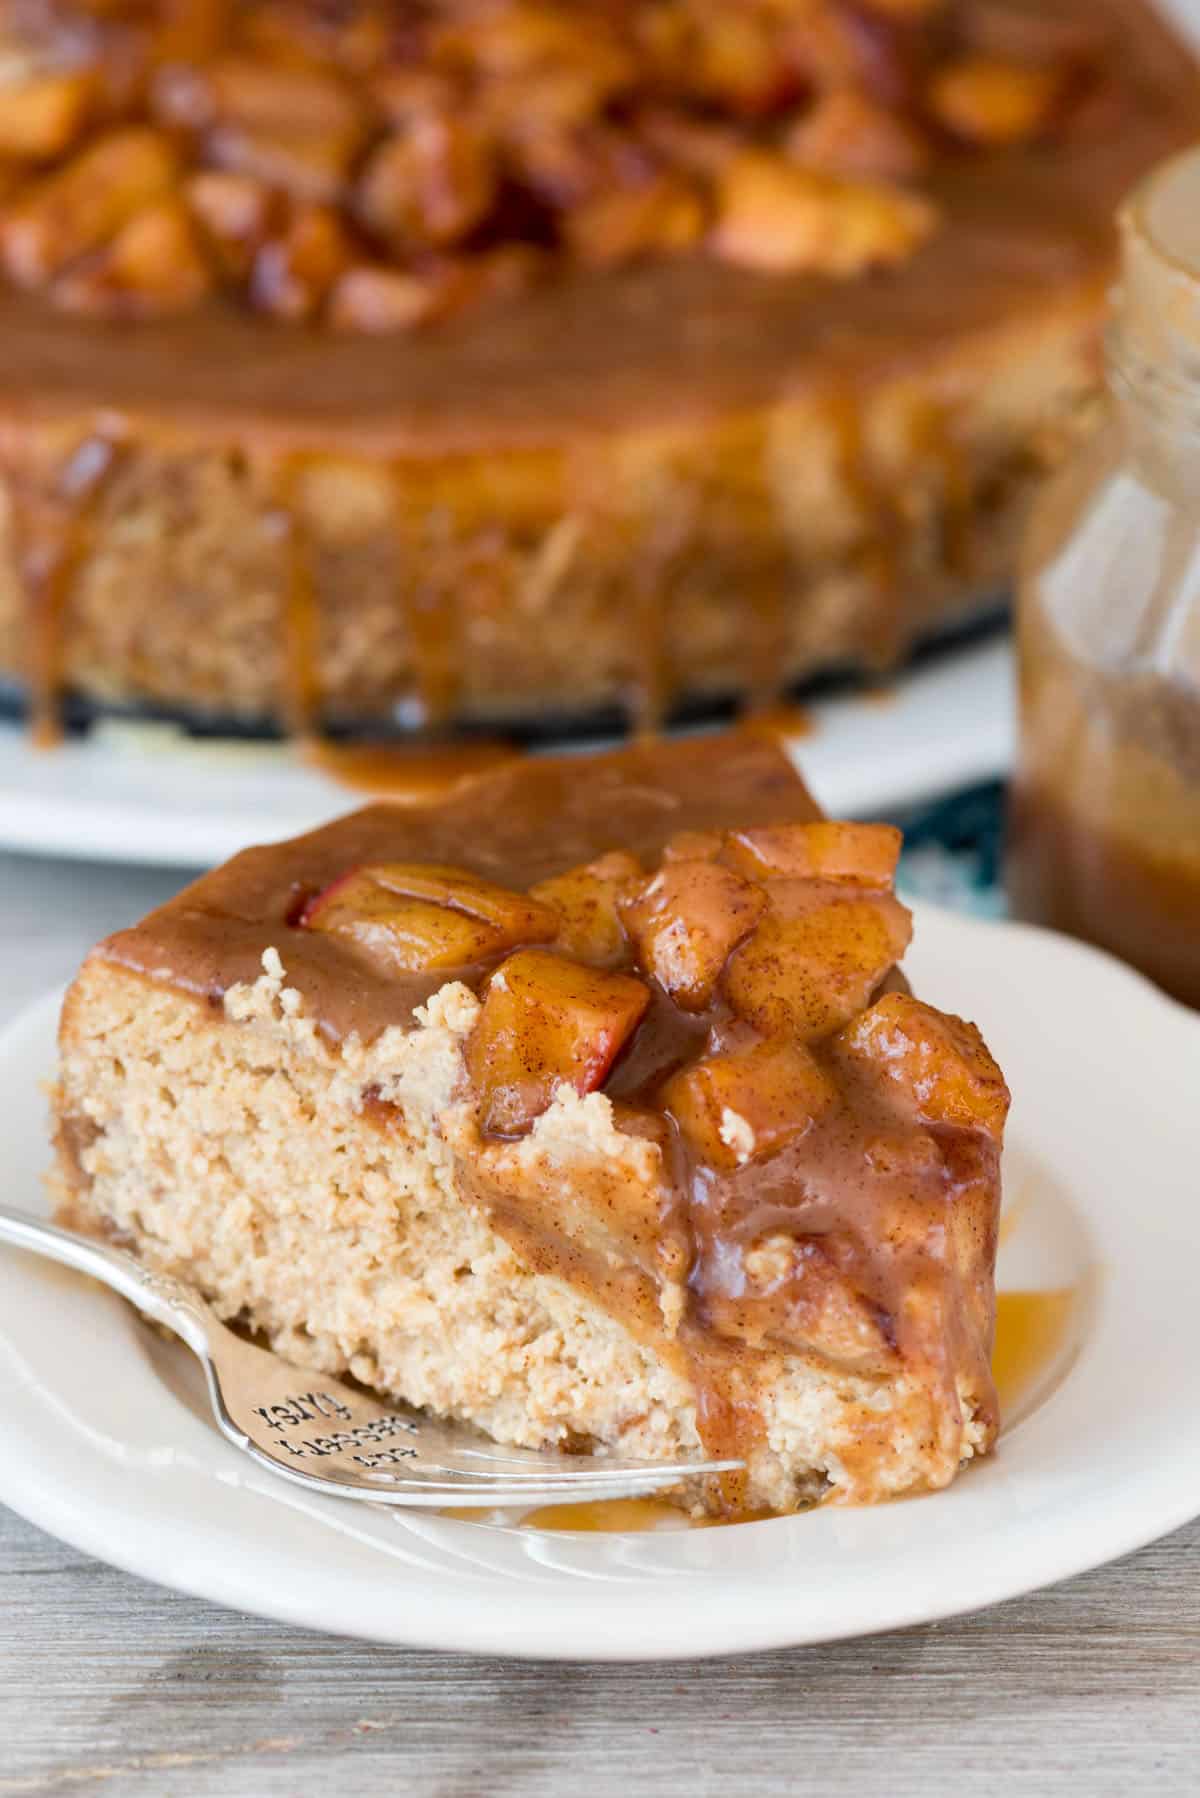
(657, 561)
(882, 556)
(50, 567)
(301, 680)
(650, 681)
(935, 441)
(430, 608)
(766, 666)
(432, 640)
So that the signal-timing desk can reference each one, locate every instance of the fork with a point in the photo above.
(333, 1438)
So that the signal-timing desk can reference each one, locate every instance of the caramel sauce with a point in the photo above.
(1104, 815)
(407, 773)
(55, 547)
(431, 618)
(1127, 896)
(626, 1516)
(1031, 1328)
(782, 723)
(613, 1515)
(767, 625)
(936, 444)
(652, 682)
(301, 703)
(880, 558)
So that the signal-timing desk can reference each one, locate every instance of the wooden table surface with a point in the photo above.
(112, 1686)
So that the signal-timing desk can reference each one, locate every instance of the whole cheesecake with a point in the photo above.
(482, 359)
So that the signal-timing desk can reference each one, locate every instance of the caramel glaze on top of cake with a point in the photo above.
(829, 1146)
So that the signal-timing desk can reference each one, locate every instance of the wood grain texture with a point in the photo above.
(113, 1687)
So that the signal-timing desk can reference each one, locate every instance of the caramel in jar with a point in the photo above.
(1105, 835)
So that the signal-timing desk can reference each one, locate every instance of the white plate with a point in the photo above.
(146, 793)
(107, 1444)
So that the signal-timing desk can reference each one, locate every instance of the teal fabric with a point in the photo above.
(953, 851)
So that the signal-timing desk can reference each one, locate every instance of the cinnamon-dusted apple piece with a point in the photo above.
(407, 917)
(824, 850)
(743, 1105)
(806, 975)
(928, 1062)
(686, 921)
(547, 1022)
(82, 204)
(587, 901)
(42, 115)
(833, 929)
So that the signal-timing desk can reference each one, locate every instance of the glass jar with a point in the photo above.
(1105, 829)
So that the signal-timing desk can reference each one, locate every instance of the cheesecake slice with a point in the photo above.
(587, 1105)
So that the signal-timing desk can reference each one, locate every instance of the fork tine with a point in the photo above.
(418, 1489)
(579, 1481)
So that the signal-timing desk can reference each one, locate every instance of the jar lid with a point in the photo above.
(1159, 297)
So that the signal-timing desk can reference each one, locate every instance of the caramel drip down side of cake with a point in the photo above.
(430, 606)
(883, 554)
(300, 656)
(55, 539)
(937, 441)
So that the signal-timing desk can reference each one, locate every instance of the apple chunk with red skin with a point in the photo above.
(685, 923)
(929, 1062)
(743, 1105)
(547, 1022)
(587, 901)
(411, 917)
(806, 974)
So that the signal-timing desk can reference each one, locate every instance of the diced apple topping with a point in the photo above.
(849, 133)
(866, 853)
(83, 203)
(776, 217)
(528, 138)
(807, 975)
(686, 922)
(587, 901)
(410, 917)
(936, 1064)
(694, 846)
(748, 1104)
(988, 100)
(662, 218)
(153, 266)
(547, 1023)
(236, 214)
(43, 114)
